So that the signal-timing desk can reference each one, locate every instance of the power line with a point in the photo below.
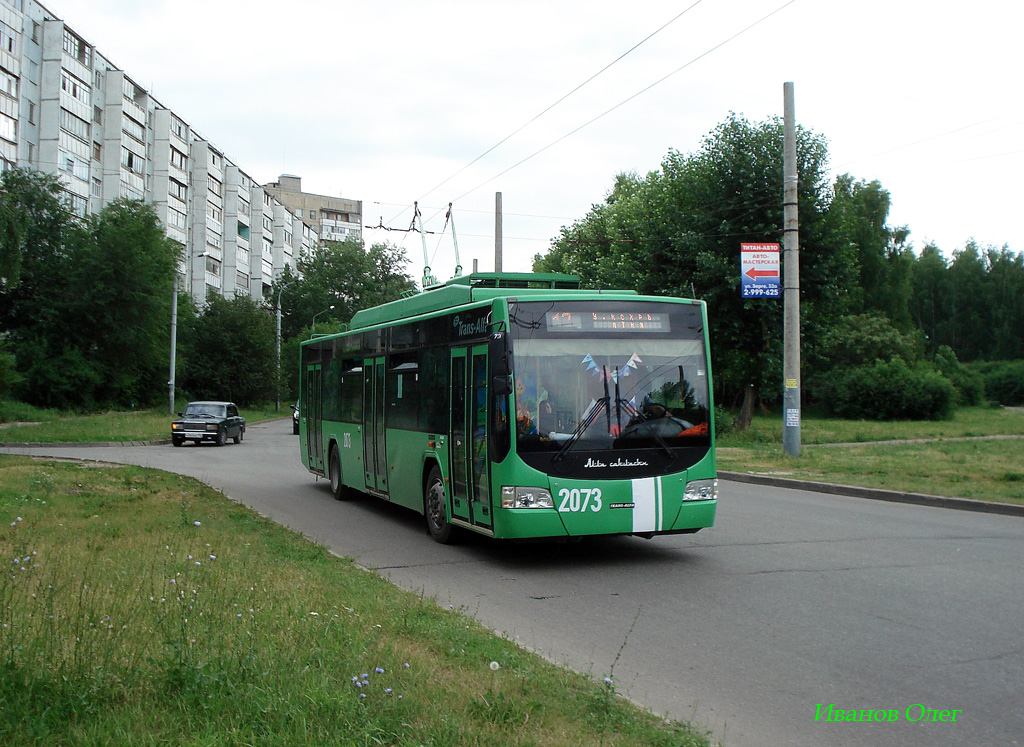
(563, 98)
(559, 101)
(627, 100)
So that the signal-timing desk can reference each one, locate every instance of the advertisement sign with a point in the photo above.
(759, 271)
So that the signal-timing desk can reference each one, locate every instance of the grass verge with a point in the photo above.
(143, 608)
(988, 470)
(49, 426)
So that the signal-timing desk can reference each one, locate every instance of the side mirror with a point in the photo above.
(501, 386)
(501, 365)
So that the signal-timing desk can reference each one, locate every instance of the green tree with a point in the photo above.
(857, 222)
(89, 320)
(972, 333)
(1006, 294)
(33, 220)
(345, 275)
(230, 352)
(678, 231)
(932, 298)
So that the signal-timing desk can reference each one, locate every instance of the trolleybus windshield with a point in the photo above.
(609, 375)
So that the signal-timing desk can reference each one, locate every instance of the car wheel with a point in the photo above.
(435, 505)
(178, 441)
(338, 488)
(241, 434)
(222, 437)
(295, 427)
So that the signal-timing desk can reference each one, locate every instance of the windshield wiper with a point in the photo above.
(643, 420)
(592, 413)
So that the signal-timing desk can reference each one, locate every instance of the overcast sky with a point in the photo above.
(390, 101)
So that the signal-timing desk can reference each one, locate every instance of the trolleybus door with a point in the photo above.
(374, 454)
(470, 469)
(312, 404)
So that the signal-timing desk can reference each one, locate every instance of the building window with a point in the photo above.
(8, 84)
(8, 39)
(8, 128)
(133, 129)
(97, 152)
(177, 189)
(74, 126)
(97, 187)
(78, 49)
(74, 87)
(131, 161)
(312, 214)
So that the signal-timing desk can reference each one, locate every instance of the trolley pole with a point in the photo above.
(790, 286)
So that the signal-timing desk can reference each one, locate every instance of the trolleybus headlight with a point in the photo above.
(515, 496)
(701, 490)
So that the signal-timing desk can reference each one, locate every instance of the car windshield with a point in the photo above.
(600, 383)
(201, 409)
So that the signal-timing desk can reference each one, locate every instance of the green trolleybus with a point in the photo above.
(519, 406)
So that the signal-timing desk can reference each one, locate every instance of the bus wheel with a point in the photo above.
(435, 507)
(334, 467)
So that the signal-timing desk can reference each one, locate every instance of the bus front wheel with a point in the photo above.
(435, 505)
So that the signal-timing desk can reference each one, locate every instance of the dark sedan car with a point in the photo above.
(208, 421)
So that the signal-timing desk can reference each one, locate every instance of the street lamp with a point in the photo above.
(329, 308)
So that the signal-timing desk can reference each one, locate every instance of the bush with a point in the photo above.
(724, 421)
(1004, 382)
(970, 386)
(889, 391)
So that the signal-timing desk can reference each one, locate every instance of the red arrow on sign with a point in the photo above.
(755, 274)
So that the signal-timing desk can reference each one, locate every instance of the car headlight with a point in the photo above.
(517, 496)
(175, 426)
(701, 490)
(212, 427)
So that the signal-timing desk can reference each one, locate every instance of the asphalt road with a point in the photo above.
(794, 599)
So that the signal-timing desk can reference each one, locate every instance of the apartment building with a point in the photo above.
(68, 110)
(332, 218)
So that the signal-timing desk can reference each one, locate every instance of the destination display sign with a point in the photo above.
(637, 321)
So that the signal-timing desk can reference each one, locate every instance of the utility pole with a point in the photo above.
(790, 285)
(174, 339)
(497, 231)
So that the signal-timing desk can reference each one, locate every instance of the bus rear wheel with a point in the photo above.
(338, 488)
(435, 506)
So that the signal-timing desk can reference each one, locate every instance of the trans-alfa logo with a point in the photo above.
(470, 329)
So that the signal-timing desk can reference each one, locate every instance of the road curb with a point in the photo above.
(894, 496)
(73, 445)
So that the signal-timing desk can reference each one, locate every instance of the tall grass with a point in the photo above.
(22, 424)
(141, 608)
(989, 470)
(965, 421)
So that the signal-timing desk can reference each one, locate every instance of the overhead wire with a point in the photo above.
(559, 101)
(563, 98)
(630, 98)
